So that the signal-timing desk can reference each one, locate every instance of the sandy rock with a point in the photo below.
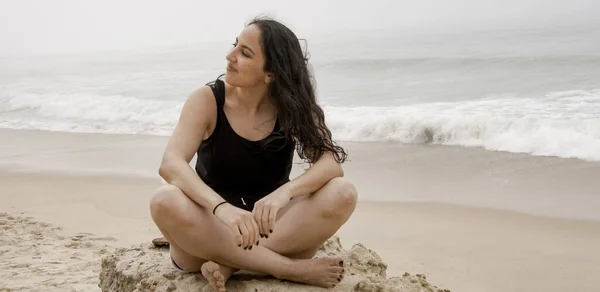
(147, 268)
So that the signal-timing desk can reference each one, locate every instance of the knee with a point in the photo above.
(343, 197)
(167, 204)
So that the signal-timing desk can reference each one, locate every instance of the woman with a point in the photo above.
(238, 209)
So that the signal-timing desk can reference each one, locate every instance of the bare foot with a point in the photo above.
(321, 272)
(216, 275)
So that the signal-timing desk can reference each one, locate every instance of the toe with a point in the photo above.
(209, 273)
(336, 269)
(335, 277)
(338, 262)
(208, 276)
(214, 267)
(221, 286)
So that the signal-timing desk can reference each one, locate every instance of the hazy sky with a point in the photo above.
(43, 26)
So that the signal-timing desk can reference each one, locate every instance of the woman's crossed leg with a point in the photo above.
(200, 242)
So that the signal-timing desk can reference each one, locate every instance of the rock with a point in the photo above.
(146, 268)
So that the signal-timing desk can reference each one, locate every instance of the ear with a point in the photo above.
(269, 78)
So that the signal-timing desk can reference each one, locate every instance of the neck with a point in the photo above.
(252, 98)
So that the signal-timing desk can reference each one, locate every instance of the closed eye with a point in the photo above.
(244, 49)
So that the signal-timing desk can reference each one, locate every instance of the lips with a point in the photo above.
(230, 68)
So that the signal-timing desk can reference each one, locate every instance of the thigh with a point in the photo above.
(173, 205)
(308, 221)
(284, 239)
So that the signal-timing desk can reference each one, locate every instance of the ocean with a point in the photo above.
(534, 91)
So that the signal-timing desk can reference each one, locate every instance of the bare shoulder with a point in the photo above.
(196, 122)
(199, 110)
(201, 101)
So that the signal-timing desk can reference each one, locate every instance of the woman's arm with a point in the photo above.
(195, 119)
(194, 122)
(316, 176)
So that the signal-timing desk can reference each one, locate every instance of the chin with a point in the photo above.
(232, 79)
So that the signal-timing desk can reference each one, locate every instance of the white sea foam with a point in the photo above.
(88, 113)
(563, 124)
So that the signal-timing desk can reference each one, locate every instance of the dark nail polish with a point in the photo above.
(270, 230)
(262, 236)
(257, 242)
(239, 245)
(342, 263)
(250, 247)
(339, 279)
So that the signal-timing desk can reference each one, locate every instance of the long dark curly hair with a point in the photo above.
(293, 92)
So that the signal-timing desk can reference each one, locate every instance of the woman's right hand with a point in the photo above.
(241, 223)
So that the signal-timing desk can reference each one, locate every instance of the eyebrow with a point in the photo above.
(245, 47)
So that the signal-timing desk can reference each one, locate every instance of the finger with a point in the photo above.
(251, 231)
(244, 232)
(257, 212)
(272, 218)
(264, 220)
(256, 231)
(237, 236)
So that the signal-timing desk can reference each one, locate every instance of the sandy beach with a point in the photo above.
(469, 219)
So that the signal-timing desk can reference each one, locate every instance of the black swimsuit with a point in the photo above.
(240, 170)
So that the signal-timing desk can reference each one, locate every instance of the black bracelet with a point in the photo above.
(219, 204)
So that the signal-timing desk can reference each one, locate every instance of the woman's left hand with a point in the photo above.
(266, 209)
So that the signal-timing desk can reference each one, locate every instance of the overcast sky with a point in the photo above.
(50, 26)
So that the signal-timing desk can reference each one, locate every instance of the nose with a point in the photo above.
(230, 56)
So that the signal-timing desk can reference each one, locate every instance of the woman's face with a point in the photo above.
(246, 60)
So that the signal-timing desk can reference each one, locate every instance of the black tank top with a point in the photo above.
(233, 165)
